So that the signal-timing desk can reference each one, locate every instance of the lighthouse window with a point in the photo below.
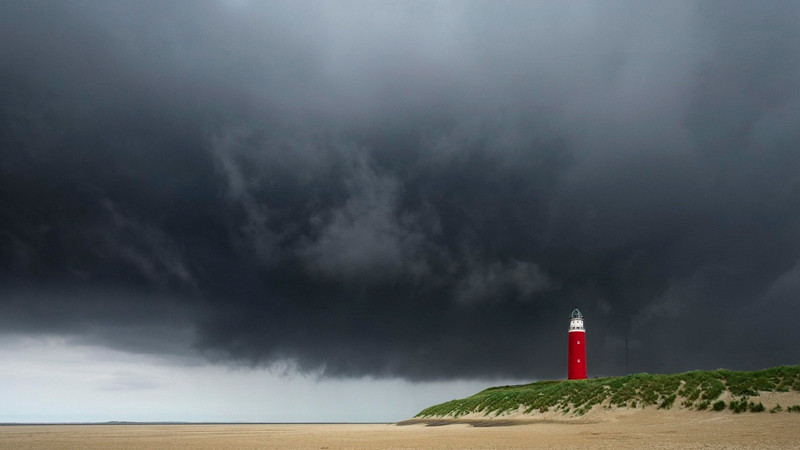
(579, 342)
(579, 360)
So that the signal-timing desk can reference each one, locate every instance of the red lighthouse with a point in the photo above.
(576, 366)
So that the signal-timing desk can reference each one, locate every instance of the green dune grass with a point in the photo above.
(698, 390)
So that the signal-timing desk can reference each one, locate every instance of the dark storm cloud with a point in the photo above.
(422, 190)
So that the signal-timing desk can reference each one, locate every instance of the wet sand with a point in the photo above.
(643, 429)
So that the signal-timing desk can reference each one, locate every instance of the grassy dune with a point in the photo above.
(698, 390)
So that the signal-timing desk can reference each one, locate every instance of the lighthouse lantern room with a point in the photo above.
(576, 366)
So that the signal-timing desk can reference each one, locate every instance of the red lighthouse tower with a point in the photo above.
(576, 365)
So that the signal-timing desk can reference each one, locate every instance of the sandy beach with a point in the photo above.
(642, 429)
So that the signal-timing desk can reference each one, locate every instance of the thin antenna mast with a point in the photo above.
(627, 371)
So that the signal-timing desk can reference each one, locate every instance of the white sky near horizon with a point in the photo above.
(50, 379)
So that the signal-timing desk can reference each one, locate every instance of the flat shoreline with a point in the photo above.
(644, 429)
(114, 422)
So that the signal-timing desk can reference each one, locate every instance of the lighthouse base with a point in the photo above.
(576, 366)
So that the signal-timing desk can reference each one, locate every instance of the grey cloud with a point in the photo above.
(494, 281)
(421, 190)
(367, 234)
(142, 245)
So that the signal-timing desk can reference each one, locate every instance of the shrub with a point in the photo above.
(699, 389)
(755, 407)
(776, 409)
(713, 389)
(793, 408)
(667, 403)
(738, 406)
(691, 393)
(650, 397)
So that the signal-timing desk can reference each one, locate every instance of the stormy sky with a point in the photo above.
(408, 191)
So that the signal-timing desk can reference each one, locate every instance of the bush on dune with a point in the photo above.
(697, 389)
